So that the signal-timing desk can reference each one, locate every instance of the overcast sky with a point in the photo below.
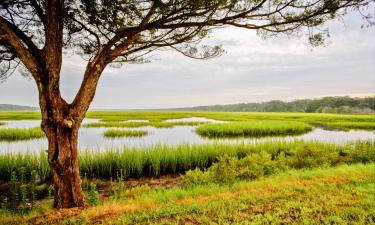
(252, 70)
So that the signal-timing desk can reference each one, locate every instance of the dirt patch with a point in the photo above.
(56, 216)
(166, 181)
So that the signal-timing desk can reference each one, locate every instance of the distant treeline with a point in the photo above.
(9, 107)
(324, 105)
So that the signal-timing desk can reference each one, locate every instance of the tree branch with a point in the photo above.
(21, 45)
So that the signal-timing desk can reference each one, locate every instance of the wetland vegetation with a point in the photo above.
(19, 134)
(197, 183)
(116, 133)
(334, 195)
(141, 124)
(253, 129)
(165, 159)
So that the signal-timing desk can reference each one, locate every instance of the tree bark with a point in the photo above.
(61, 123)
(64, 168)
(63, 160)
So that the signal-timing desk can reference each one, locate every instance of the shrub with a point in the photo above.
(263, 163)
(93, 195)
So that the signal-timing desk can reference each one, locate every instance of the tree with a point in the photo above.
(34, 33)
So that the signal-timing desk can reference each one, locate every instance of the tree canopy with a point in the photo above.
(127, 30)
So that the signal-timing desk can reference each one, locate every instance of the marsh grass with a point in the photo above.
(116, 133)
(20, 115)
(162, 159)
(352, 125)
(231, 116)
(2, 123)
(19, 134)
(253, 129)
(159, 117)
(173, 124)
(121, 124)
(116, 124)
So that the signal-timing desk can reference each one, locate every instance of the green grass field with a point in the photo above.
(115, 133)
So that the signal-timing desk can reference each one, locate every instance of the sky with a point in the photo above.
(251, 70)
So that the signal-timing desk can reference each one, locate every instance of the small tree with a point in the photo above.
(33, 34)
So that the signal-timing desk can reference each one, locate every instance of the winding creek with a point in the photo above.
(92, 138)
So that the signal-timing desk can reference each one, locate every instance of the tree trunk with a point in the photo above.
(62, 134)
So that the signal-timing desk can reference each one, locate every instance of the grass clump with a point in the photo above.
(116, 133)
(253, 129)
(352, 125)
(93, 195)
(19, 134)
(2, 123)
(173, 124)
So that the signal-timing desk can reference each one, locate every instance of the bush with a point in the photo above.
(228, 169)
(309, 157)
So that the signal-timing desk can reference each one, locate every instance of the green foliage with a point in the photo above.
(21, 192)
(115, 133)
(253, 129)
(17, 134)
(93, 195)
(326, 105)
(196, 176)
(120, 188)
(264, 163)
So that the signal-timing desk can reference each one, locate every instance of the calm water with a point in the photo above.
(92, 138)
